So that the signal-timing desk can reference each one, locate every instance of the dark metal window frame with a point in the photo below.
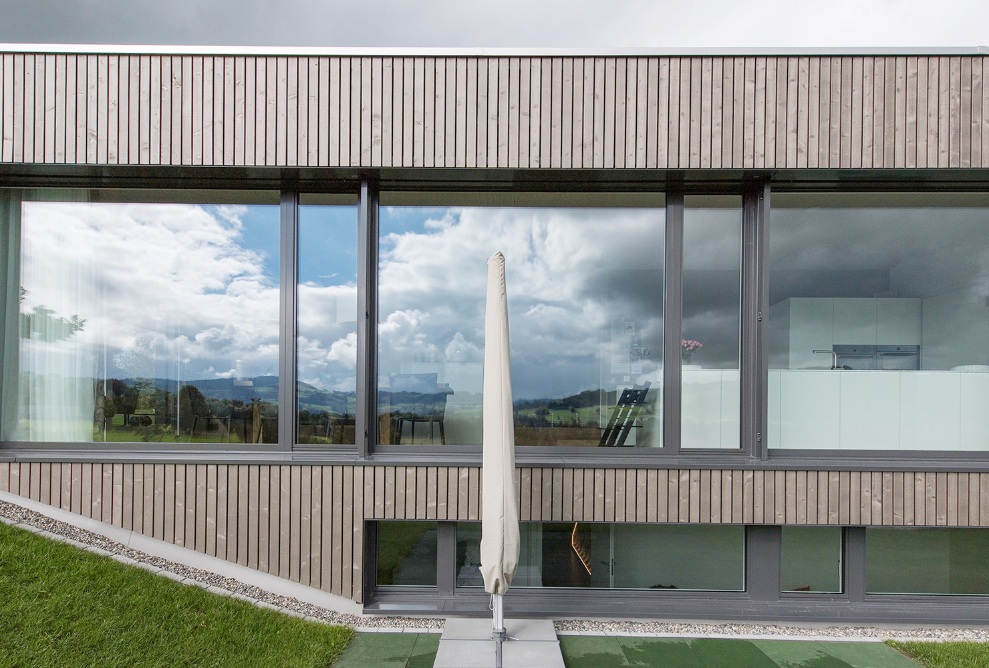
(755, 190)
(761, 600)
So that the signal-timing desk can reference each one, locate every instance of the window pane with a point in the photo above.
(712, 250)
(812, 559)
(148, 322)
(327, 330)
(927, 561)
(879, 338)
(407, 553)
(585, 295)
(617, 556)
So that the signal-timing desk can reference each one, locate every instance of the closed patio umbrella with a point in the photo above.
(500, 515)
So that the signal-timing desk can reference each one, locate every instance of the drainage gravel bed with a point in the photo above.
(39, 523)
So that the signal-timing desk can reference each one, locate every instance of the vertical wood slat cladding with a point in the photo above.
(539, 112)
(305, 523)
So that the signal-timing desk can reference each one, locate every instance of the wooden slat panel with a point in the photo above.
(315, 474)
(347, 533)
(923, 111)
(307, 518)
(14, 480)
(524, 493)
(336, 534)
(899, 111)
(30, 108)
(752, 87)
(118, 495)
(620, 496)
(675, 100)
(974, 508)
(984, 499)
(295, 524)
(569, 500)
(605, 494)
(85, 492)
(306, 523)
(7, 107)
(241, 507)
(833, 156)
(177, 535)
(284, 519)
(326, 535)
(817, 91)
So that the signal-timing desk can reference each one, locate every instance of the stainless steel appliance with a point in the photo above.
(877, 358)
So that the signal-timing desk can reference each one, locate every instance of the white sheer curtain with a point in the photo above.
(58, 347)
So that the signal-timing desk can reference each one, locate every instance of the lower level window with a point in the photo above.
(407, 553)
(616, 556)
(811, 560)
(927, 561)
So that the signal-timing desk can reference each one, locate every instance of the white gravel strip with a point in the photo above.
(11, 513)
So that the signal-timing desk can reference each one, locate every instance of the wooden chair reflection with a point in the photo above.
(623, 416)
(212, 423)
(418, 399)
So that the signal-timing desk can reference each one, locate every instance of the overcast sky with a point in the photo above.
(589, 24)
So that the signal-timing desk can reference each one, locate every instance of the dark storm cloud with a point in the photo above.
(449, 23)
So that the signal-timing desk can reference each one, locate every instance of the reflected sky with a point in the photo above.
(876, 252)
(584, 287)
(166, 290)
(327, 297)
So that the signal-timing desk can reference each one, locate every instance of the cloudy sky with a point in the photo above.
(500, 23)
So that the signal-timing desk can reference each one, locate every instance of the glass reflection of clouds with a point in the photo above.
(180, 306)
(585, 293)
(327, 324)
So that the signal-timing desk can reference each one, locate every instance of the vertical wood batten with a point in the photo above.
(554, 112)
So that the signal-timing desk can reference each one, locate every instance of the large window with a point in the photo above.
(326, 348)
(585, 294)
(879, 322)
(142, 321)
(616, 556)
(709, 350)
(161, 317)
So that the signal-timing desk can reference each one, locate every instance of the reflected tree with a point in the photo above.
(43, 324)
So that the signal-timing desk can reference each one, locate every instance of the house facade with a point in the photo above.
(242, 300)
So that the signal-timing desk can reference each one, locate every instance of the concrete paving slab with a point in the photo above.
(467, 643)
(460, 628)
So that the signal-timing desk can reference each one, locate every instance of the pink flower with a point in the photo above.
(687, 348)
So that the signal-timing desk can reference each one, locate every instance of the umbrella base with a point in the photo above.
(469, 643)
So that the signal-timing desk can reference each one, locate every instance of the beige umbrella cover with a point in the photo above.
(500, 515)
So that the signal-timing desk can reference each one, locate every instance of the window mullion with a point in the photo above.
(672, 323)
(755, 299)
(367, 318)
(288, 334)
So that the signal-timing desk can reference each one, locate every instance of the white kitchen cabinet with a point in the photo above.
(801, 325)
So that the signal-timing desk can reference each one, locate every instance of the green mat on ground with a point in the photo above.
(390, 650)
(617, 652)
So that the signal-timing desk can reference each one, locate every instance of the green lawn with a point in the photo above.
(946, 654)
(61, 606)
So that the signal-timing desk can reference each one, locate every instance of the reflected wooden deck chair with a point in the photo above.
(623, 416)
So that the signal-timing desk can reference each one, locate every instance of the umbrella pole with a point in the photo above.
(499, 633)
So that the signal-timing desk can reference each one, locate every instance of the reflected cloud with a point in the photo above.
(569, 273)
(164, 282)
